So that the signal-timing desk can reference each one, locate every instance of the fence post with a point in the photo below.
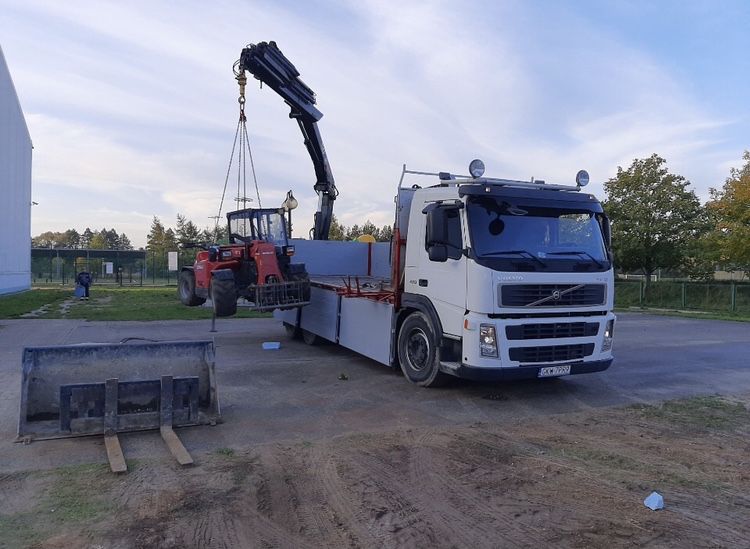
(733, 298)
(684, 300)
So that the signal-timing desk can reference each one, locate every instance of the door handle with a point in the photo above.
(423, 282)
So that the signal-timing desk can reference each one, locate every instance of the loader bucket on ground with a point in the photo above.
(95, 389)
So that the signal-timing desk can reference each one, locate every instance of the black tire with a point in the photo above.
(292, 331)
(418, 353)
(223, 296)
(186, 290)
(310, 338)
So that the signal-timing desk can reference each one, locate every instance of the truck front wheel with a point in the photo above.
(186, 290)
(417, 351)
(223, 296)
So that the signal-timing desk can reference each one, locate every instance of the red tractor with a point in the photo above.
(256, 266)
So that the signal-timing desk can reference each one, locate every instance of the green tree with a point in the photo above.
(155, 238)
(186, 233)
(186, 230)
(730, 207)
(99, 241)
(337, 231)
(124, 242)
(654, 216)
(354, 232)
(217, 235)
(72, 239)
(86, 236)
(386, 233)
(370, 228)
(48, 239)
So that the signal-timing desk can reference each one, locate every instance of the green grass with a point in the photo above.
(13, 306)
(703, 413)
(112, 304)
(72, 499)
(715, 297)
(712, 315)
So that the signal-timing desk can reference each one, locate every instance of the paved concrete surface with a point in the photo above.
(294, 393)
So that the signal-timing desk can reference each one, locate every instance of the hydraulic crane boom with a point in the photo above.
(267, 64)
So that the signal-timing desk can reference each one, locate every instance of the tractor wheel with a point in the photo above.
(223, 296)
(418, 352)
(186, 290)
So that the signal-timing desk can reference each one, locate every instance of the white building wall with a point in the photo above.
(15, 189)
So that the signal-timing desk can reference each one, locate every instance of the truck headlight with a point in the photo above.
(487, 340)
(609, 333)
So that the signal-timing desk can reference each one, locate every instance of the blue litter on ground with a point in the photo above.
(654, 501)
(271, 345)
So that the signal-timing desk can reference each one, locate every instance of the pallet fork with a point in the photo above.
(95, 389)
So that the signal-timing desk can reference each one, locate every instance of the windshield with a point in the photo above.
(258, 225)
(520, 235)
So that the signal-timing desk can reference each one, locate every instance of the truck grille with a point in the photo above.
(551, 295)
(552, 353)
(552, 330)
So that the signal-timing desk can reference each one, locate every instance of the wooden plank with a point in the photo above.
(175, 445)
(167, 433)
(114, 454)
(111, 387)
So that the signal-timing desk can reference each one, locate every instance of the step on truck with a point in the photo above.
(484, 279)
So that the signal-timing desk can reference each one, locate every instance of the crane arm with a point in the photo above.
(267, 64)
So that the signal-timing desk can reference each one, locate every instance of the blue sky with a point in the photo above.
(132, 105)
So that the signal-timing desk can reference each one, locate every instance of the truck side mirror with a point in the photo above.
(437, 230)
(438, 252)
(607, 230)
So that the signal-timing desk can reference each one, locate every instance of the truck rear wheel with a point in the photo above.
(223, 296)
(417, 351)
(310, 338)
(292, 331)
(186, 290)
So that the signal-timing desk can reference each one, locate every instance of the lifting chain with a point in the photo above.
(241, 135)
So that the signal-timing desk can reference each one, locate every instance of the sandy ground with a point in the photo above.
(569, 480)
(304, 459)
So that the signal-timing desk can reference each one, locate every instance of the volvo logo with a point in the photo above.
(556, 295)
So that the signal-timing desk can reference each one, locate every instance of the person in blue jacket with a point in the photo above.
(84, 280)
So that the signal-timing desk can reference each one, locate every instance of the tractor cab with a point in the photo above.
(258, 224)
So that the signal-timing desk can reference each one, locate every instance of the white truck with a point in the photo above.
(484, 279)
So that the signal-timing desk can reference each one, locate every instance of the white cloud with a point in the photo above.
(138, 98)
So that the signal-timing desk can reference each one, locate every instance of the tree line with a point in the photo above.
(106, 239)
(658, 221)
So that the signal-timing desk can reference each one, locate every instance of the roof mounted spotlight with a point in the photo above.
(582, 178)
(476, 168)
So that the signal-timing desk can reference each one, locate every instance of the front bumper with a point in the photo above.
(524, 372)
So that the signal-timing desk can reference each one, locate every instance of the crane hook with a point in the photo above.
(242, 81)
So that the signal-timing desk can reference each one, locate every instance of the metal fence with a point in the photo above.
(118, 268)
(699, 296)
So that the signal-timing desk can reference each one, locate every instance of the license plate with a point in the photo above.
(553, 371)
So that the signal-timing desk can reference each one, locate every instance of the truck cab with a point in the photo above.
(516, 276)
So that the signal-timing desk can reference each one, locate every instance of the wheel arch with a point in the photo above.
(411, 303)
